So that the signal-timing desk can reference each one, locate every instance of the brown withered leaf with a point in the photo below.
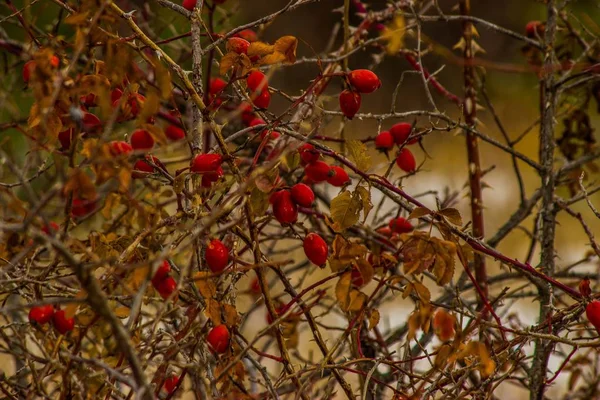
(420, 290)
(365, 198)
(358, 153)
(41, 129)
(419, 212)
(452, 215)
(477, 351)
(122, 312)
(345, 210)
(137, 277)
(77, 19)
(206, 285)
(442, 356)
(422, 252)
(418, 253)
(179, 182)
(420, 318)
(349, 299)
(150, 107)
(365, 269)
(213, 311)
(163, 79)
(260, 49)
(112, 201)
(259, 201)
(287, 46)
(374, 318)
(282, 51)
(71, 308)
(80, 184)
(230, 314)
(444, 325)
(266, 182)
(344, 253)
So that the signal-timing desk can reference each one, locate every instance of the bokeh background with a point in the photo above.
(514, 94)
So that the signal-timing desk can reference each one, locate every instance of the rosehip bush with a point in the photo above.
(244, 200)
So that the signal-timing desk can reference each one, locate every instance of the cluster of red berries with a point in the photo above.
(317, 171)
(209, 166)
(361, 81)
(163, 282)
(46, 313)
(399, 135)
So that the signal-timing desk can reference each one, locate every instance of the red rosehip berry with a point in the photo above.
(41, 314)
(238, 45)
(400, 225)
(401, 131)
(189, 4)
(339, 178)
(62, 323)
(27, 70)
(119, 147)
(255, 286)
(174, 132)
(142, 167)
(171, 383)
(276, 195)
(141, 139)
(272, 134)
(308, 153)
(384, 141)
(82, 207)
(211, 177)
(218, 339)
(256, 121)
(162, 272)
(216, 86)
(90, 123)
(284, 209)
(257, 81)
(584, 287)
(206, 163)
(592, 311)
(216, 256)
(279, 311)
(247, 112)
(318, 171)
(165, 287)
(315, 249)
(115, 94)
(51, 228)
(89, 100)
(65, 138)
(247, 34)
(263, 99)
(349, 103)
(364, 81)
(406, 161)
(535, 28)
(302, 195)
(54, 61)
